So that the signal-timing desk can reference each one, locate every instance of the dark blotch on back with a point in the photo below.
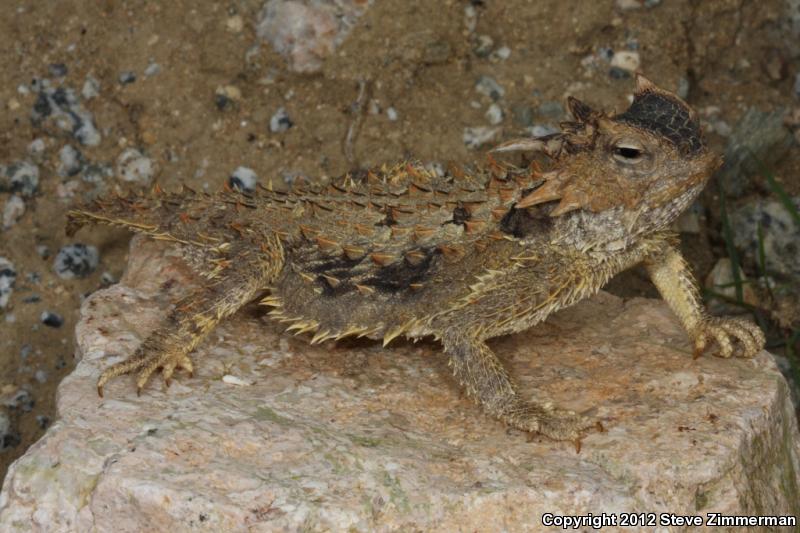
(523, 223)
(665, 117)
(460, 215)
(398, 276)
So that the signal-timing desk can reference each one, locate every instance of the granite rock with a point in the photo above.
(274, 434)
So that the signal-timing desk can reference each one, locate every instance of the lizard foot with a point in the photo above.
(724, 331)
(167, 361)
(557, 424)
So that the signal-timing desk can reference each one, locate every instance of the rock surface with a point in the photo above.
(273, 434)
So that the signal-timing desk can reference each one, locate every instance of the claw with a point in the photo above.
(100, 390)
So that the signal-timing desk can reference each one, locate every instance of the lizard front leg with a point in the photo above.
(195, 316)
(671, 275)
(479, 371)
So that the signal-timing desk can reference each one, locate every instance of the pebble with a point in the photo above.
(552, 110)
(42, 421)
(152, 69)
(40, 376)
(25, 351)
(781, 235)
(476, 137)
(53, 320)
(235, 24)
(43, 250)
(488, 86)
(522, 115)
(76, 261)
(62, 105)
(392, 114)
(494, 114)
(243, 179)
(542, 130)
(280, 121)
(626, 60)
(36, 150)
(91, 88)
(13, 211)
(683, 88)
(21, 400)
(133, 166)
(470, 18)
(23, 177)
(70, 161)
(500, 54)
(127, 77)
(96, 173)
(8, 437)
(8, 275)
(57, 70)
(617, 73)
(483, 45)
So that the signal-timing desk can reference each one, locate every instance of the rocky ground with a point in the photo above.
(98, 96)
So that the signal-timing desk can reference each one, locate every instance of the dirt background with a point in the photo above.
(418, 58)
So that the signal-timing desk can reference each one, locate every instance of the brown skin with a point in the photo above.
(463, 257)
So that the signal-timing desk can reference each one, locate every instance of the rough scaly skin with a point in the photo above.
(464, 257)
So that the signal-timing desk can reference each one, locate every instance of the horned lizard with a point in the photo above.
(462, 257)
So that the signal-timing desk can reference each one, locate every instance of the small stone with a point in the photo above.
(53, 320)
(483, 45)
(488, 86)
(494, 114)
(722, 128)
(476, 137)
(243, 179)
(470, 18)
(775, 65)
(23, 177)
(25, 351)
(628, 5)
(22, 400)
(36, 150)
(42, 421)
(40, 376)
(280, 121)
(152, 69)
(626, 60)
(392, 114)
(374, 107)
(133, 166)
(57, 70)
(522, 115)
(617, 73)
(13, 211)
(551, 110)
(721, 281)
(13, 104)
(501, 54)
(76, 261)
(683, 88)
(8, 276)
(779, 235)
(96, 173)
(8, 437)
(542, 130)
(70, 161)
(235, 24)
(127, 77)
(91, 88)
(43, 250)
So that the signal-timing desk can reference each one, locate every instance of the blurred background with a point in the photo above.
(105, 95)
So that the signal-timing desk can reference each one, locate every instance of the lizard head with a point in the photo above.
(647, 163)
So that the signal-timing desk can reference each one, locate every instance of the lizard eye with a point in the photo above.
(628, 153)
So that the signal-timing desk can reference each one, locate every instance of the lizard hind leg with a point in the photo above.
(190, 321)
(479, 371)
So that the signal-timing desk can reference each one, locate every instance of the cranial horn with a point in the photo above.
(643, 85)
(579, 110)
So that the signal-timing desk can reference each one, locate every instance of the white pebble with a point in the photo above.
(132, 165)
(625, 60)
(494, 114)
(13, 211)
(391, 114)
(235, 380)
